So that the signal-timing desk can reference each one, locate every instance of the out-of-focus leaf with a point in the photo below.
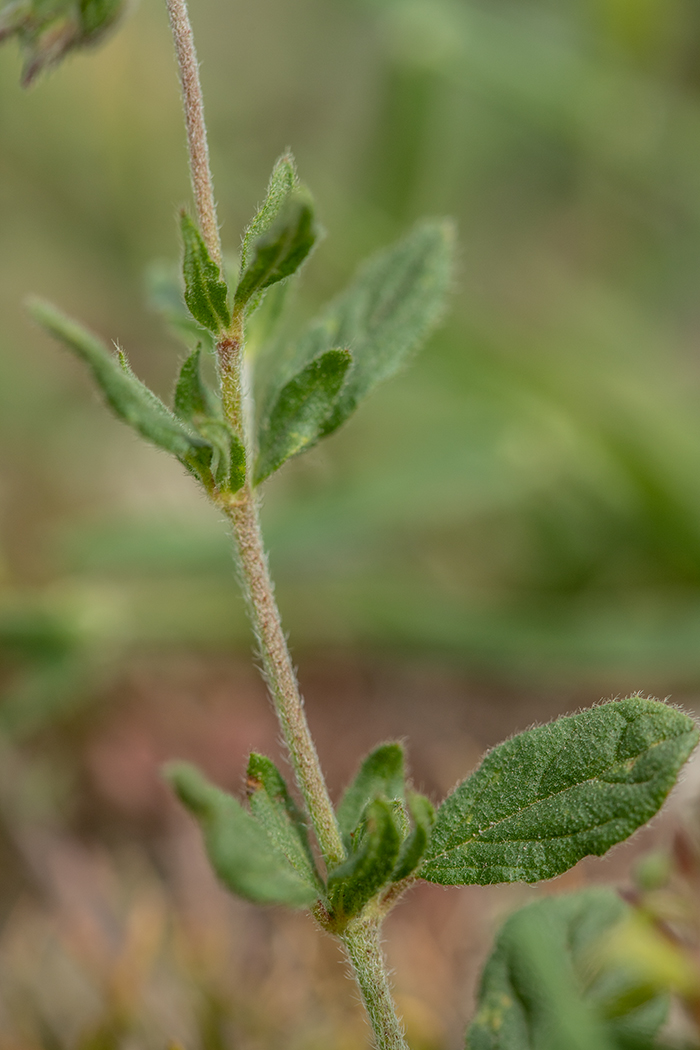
(297, 417)
(538, 991)
(276, 811)
(381, 773)
(205, 290)
(126, 395)
(282, 181)
(414, 845)
(552, 795)
(279, 251)
(370, 864)
(384, 315)
(243, 855)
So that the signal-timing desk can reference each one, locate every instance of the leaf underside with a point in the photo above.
(550, 796)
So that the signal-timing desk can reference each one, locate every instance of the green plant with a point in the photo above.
(539, 802)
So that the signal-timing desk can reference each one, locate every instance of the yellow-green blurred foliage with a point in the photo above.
(526, 496)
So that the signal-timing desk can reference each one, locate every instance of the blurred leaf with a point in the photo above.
(383, 316)
(126, 395)
(164, 293)
(536, 989)
(280, 250)
(282, 181)
(48, 31)
(381, 773)
(548, 797)
(241, 852)
(296, 419)
(370, 864)
(205, 290)
(275, 810)
(194, 400)
(414, 845)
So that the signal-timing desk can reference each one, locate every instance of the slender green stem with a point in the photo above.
(363, 945)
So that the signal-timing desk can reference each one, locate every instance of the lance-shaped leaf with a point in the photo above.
(380, 774)
(385, 314)
(125, 394)
(194, 400)
(280, 251)
(415, 844)
(552, 795)
(205, 289)
(298, 414)
(241, 852)
(276, 811)
(282, 181)
(370, 864)
(538, 988)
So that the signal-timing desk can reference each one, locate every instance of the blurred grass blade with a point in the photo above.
(302, 406)
(280, 250)
(540, 802)
(205, 290)
(414, 846)
(125, 394)
(370, 864)
(241, 852)
(381, 773)
(275, 810)
(282, 181)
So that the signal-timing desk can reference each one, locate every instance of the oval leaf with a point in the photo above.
(298, 414)
(369, 867)
(240, 850)
(381, 773)
(205, 289)
(552, 795)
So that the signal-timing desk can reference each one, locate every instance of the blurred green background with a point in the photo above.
(525, 499)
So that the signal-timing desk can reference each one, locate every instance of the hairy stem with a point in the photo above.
(197, 147)
(279, 672)
(362, 943)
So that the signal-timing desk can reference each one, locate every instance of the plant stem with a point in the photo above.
(362, 943)
(279, 672)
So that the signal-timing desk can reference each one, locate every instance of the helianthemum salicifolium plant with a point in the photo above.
(539, 802)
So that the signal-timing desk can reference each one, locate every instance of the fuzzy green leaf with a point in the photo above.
(538, 989)
(414, 846)
(276, 811)
(298, 414)
(280, 250)
(550, 796)
(381, 773)
(243, 855)
(194, 400)
(385, 314)
(126, 395)
(282, 181)
(205, 289)
(370, 863)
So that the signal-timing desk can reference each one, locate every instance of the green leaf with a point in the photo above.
(381, 773)
(205, 290)
(298, 414)
(275, 810)
(414, 846)
(282, 181)
(280, 251)
(538, 989)
(385, 314)
(126, 395)
(369, 866)
(194, 400)
(550, 796)
(241, 852)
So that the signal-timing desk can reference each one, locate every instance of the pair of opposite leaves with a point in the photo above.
(536, 805)
(361, 338)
